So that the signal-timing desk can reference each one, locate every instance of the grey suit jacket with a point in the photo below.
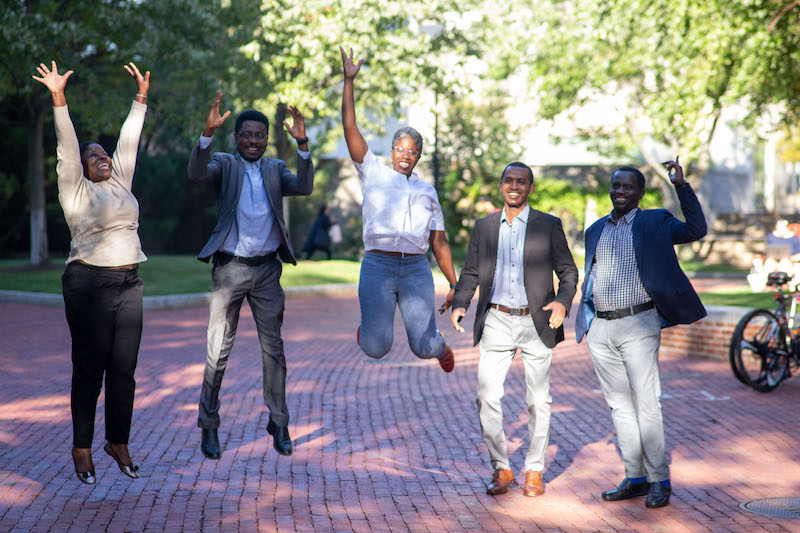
(546, 251)
(225, 172)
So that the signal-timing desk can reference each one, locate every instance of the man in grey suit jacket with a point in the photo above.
(512, 256)
(245, 245)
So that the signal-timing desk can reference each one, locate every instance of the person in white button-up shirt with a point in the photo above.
(401, 218)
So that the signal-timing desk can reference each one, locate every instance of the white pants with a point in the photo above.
(625, 357)
(502, 335)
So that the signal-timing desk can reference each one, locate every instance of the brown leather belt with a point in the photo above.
(513, 311)
(394, 254)
(625, 311)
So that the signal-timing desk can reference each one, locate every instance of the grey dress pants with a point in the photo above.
(231, 283)
(625, 356)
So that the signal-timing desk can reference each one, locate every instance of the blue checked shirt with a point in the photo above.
(508, 288)
(616, 277)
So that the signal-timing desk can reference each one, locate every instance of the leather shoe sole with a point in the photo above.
(280, 438)
(448, 360)
(209, 444)
(658, 496)
(627, 490)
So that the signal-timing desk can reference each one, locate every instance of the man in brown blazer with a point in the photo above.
(249, 237)
(512, 256)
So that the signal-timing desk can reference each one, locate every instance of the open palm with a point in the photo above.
(51, 79)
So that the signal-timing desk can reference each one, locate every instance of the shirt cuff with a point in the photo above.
(304, 155)
(205, 142)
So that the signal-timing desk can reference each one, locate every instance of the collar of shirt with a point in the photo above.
(523, 215)
(627, 219)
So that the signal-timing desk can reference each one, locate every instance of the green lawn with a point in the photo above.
(182, 274)
(742, 297)
(175, 274)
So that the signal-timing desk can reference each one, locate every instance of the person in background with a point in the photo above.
(318, 237)
(101, 285)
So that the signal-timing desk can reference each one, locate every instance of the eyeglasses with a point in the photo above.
(246, 136)
(399, 150)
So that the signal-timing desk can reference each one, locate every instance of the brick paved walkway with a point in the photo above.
(392, 445)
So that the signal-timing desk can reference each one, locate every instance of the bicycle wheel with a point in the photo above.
(758, 353)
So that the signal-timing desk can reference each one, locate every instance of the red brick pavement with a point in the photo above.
(392, 445)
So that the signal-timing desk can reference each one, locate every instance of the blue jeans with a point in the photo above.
(387, 282)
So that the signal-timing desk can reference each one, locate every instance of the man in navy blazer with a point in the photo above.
(249, 237)
(634, 287)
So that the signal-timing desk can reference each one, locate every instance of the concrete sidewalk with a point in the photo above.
(389, 445)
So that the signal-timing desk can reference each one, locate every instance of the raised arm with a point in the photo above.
(356, 144)
(124, 157)
(199, 170)
(68, 167)
(54, 82)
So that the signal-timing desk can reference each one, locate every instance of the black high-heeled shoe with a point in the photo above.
(85, 477)
(129, 470)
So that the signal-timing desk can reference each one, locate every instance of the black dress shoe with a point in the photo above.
(658, 495)
(209, 443)
(280, 438)
(626, 490)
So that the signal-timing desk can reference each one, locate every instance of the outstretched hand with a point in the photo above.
(51, 79)
(350, 69)
(214, 120)
(142, 81)
(675, 177)
(298, 127)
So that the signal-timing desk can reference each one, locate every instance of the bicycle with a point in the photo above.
(765, 345)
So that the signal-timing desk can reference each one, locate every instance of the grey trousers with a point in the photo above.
(625, 356)
(502, 335)
(232, 282)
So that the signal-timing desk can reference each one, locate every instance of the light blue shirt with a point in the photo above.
(508, 288)
(255, 230)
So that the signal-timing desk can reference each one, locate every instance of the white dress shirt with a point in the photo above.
(398, 212)
(508, 288)
(255, 231)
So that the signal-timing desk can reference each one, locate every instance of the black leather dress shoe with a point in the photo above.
(280, 438)
(209, 444)
(658, 495)
(626, 490)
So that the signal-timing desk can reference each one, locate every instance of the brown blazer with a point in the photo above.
(546, 251)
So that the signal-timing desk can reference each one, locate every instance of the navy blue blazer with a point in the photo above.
(655, 232)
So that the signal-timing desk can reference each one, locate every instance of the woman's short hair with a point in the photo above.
(409, 132)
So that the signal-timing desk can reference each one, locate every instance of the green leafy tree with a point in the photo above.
(669, 67)
(190, 46)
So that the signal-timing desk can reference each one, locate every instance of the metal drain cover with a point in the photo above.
(777, 507)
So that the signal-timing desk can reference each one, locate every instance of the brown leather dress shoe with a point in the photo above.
(448, 360)
(502, 479)
(534, 486)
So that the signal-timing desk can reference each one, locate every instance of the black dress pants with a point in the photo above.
(104, 313)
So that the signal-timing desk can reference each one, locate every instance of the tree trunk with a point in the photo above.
(39, 248)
